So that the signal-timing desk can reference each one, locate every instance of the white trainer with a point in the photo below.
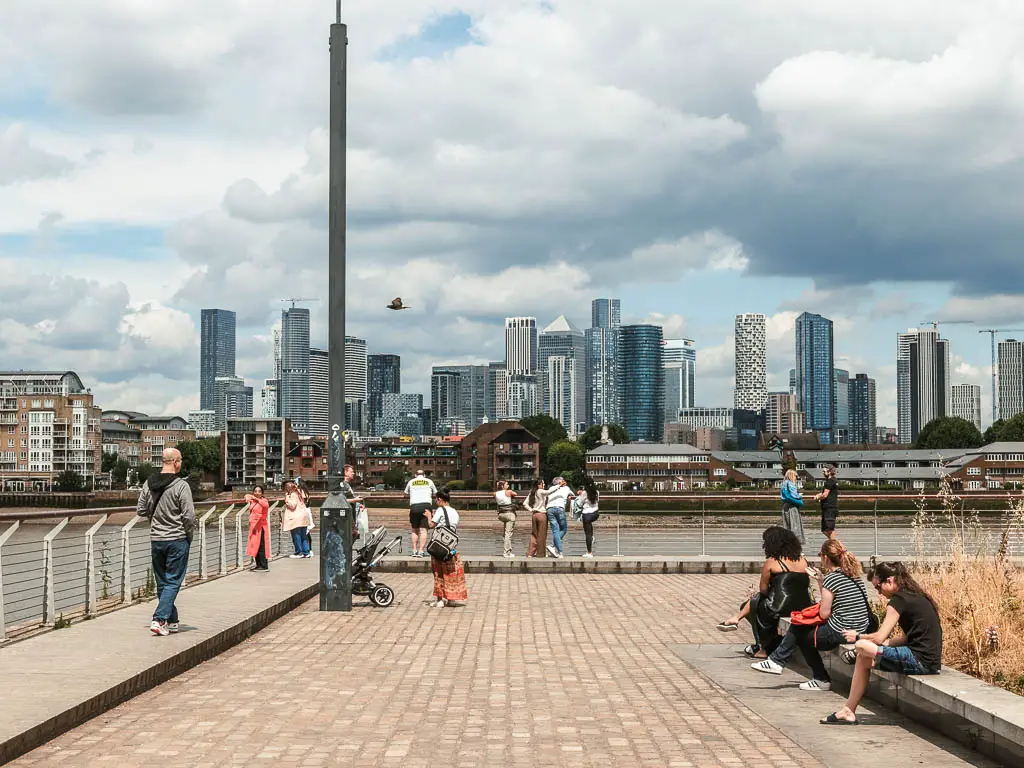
(815, 685)
(768, 666)
(159, 628)
(173, 627)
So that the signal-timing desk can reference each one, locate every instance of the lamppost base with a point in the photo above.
(336, 553)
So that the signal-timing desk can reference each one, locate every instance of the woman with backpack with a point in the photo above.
(792, 503)
(449, 575)
(843, 608)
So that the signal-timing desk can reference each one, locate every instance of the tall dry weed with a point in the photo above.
(977, 587)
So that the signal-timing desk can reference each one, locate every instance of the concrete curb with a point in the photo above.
(984, 717)
(138, 683)
(570, 565)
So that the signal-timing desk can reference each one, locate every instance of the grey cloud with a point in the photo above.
(21, 161)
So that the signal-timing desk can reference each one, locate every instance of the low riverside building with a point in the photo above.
(48, 425)
(253, 452)
(995, 467)
(141, 439)
(654, 467)
(504, 450)
(373, 457)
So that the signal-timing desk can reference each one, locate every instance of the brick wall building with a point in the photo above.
(504, 450)
(438, 458)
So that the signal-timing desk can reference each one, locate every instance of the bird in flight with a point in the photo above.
(397, 304)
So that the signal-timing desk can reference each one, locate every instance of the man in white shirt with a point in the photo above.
(421, 492)
(557, 501)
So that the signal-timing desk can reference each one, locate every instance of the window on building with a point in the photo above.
(974, 470)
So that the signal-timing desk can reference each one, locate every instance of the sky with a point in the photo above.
(696, 159)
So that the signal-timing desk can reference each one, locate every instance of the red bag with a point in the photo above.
(808, 617)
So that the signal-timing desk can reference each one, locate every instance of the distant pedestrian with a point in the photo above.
(421, 492)
(506, 499)
(258, 546)
(829, 498)
(304, 493)
(166, 500)
(587, 501)
(536, 505)
(792, 503)
(362, 519)
(295, 520)
(557, 501)
(449, 575)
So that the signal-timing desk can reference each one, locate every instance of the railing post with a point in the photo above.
(876, 527)
(90, 567)
(223, 541)
(204, 572)
(618, 514)
(239, 547)
(49, 607)
(126, 559)
(3, 540)
(703, 545)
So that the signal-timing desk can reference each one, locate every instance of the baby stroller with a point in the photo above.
(371, 553)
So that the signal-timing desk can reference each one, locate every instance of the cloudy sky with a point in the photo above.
(696, 159)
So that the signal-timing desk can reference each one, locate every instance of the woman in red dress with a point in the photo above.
(258, 546)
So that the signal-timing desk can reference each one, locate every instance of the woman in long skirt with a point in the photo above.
(449, 575)
(792, 502)
(258, 544)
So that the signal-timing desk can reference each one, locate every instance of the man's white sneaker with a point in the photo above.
(589, 554)
(552, 551)
(509, 555)
(558, 555)
(768, 666)
(815, 685)
(295, 556)
(173, 627)
(159, 628)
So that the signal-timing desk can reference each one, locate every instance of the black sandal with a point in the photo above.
(833, 720)
(751, 651)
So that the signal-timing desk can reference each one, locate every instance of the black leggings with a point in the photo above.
(261, 555)
(588, 529)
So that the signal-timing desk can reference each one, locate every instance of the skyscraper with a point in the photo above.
(863, 427)
(783, 416)
(232, 400)
(293, 388)
(216, 352)
(815, 374)
(967, 403)
(445, 386)
(521, 344)
(1010, 368)
(383, 376)
(400, 413)
(562, 350)
(641, 383)
(751, 362)
(319, 392)
(928, 368)
(268, 399)
(601, 378)
(680, 361)
(355, 368)
(841, 396)
(469, 399)
(903, 406)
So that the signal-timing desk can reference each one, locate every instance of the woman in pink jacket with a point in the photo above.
(258, 546)
(296, 519)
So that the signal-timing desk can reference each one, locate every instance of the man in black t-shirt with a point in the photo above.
(829, 498)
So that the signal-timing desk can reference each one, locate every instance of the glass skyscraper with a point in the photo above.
(601, 397)
(216, 353)
(862, 409)
(680, 361)
(815, 374)
(293, 392)
(641, 381)
(383, 376)
(319, 392)
(563, 355)
(841, 394)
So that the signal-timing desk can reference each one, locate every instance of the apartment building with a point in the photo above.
(140, 438)
(253, 452)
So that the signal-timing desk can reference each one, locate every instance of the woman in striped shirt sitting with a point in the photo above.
(844, 606)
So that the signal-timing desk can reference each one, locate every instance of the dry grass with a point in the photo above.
(979, 589)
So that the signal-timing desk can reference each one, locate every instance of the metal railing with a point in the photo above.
(52, 570)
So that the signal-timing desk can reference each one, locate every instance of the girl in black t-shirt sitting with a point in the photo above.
(918, 652)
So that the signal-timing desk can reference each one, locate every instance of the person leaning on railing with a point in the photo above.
(917, 652)
(506, 500)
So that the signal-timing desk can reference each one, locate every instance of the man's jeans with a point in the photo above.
(170, 560)
(559, 526)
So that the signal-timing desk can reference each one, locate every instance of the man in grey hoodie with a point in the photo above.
(166, 500)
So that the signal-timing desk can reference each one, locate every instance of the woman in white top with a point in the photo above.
(587, 499)
(558, 500)
(449, 575)
(506, 499)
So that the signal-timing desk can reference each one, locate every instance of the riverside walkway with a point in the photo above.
(538, 669)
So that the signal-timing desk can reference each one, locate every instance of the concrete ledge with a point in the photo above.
(982, 716)
(57, 681)
(596, 565)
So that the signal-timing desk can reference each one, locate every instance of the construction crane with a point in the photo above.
(995, 369)
(293, 301)
(935, 323)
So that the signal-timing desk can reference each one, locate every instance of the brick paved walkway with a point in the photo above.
(536, 670)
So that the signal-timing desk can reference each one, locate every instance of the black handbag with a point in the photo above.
(443, 542)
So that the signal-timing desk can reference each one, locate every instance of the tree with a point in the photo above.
(119, 472)
(109, 462)
(69, 481)
(396, 476)
(567, 459)
(949, 432)
(547, 430)
(729, 445)
(200, 456)
(591, 439)
(1006, 430)
(143, 472)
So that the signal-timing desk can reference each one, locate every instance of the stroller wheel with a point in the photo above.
(382, 596)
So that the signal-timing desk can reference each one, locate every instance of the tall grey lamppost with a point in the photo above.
(336, 513)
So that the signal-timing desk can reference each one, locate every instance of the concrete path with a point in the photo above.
(63, 676)
(535, 670)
